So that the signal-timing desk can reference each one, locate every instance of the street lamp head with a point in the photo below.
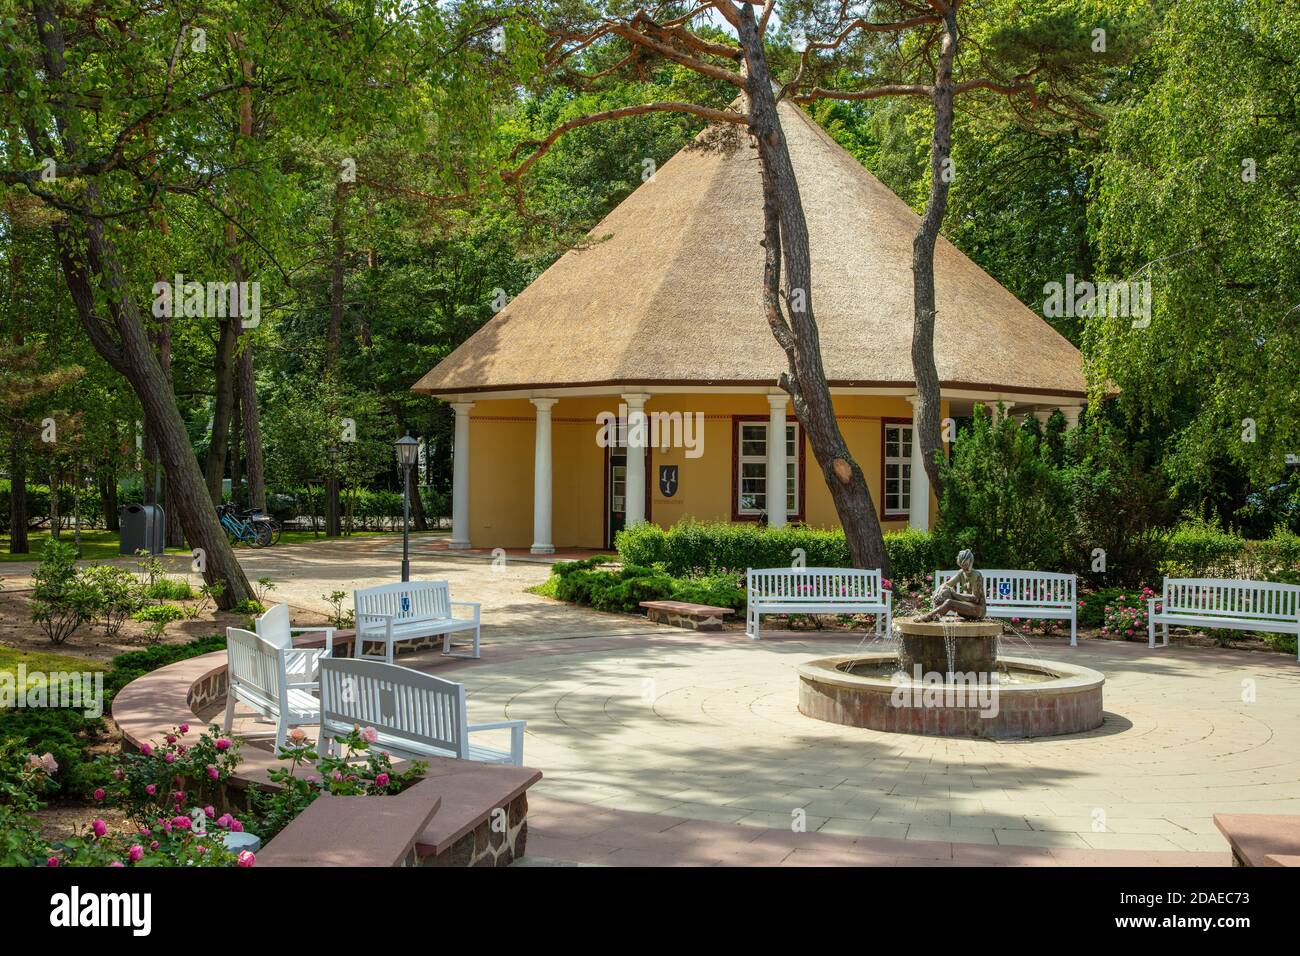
(407, 449)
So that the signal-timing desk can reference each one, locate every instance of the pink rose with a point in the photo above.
(171, 738)
(246, 858)
(370, 735)
(213, 774)
(150, 789)
(117, 774)
(236, 826)
(185, 728)
(52, 861)
(381, 780)
(99, 793)
(136, 853)
(100, 828)
(146, 750)
(224, 820)
(169, 758)
(222, 743)
(116, 863)
(209, 812)
(153, 845)
(49, 763)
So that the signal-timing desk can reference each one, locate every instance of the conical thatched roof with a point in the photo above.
(668, 290)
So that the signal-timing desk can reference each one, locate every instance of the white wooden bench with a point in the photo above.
(816, 591)
(416, 715)
(408, 611)
(1225, 603)
(266, 678)
(1032, 594)
(274, 627)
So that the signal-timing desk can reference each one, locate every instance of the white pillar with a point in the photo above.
(1071, 416)
(542, 478)
(776, 461)
(918, 515)
(460, 477)
(1006, 410)
(638, 436)
(1043, 416)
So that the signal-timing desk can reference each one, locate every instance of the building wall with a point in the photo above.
(501, 465)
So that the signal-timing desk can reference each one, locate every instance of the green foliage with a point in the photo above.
(61, 600)
(1200, 549)
(356, 770)
(159, 614)
(1002, 498)
(117, 595)
(169, 589)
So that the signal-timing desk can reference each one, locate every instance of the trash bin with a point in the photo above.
(143, 529)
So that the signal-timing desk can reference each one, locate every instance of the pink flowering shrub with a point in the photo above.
(1125, 617)
(176, 840)
(163, 777)
(360, 771)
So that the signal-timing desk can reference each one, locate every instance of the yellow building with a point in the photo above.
(652, 337)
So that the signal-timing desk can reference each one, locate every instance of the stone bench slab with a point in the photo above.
(696, 617)
(1257, 837)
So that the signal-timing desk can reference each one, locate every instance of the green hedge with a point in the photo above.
(586, 582)
(67, 733)
(695, 547)
(1197, 549)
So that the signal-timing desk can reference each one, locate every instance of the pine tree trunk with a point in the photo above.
(236, 462)
(785, 238)
(253, 457)
(929, 410)
(18, 543)
(223, 369)
(334, 333)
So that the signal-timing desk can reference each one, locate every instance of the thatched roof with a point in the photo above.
(668, 290)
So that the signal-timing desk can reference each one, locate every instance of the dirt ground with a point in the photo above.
(17, 631)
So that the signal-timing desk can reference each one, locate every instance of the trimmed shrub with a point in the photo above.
(693, 548)
(1200, 549)
(1274, 559)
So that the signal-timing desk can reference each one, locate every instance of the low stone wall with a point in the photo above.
(481, 819)
(497, 841)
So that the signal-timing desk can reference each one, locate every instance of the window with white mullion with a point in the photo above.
(751, 465)
(898, 469)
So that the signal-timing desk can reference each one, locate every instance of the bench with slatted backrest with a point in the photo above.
(275, 627)
(1225, 603)
(816, 591)
(277, 682)
(416, 715)
(1027, 594)
(409, 611)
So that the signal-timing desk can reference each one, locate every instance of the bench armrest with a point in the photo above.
(476, 605)
(329, 636)
(516, 728)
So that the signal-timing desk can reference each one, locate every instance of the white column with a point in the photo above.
(1071, 416)
(776, 461)
(460, 477)
(542, 478)
(638, 436)
(918, 515)
(1043, 416)
(1006, 410)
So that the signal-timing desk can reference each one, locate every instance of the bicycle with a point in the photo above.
(245, 528)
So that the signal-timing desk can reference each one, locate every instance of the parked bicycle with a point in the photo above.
(247, 527)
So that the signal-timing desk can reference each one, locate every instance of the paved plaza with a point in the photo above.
(662, 729)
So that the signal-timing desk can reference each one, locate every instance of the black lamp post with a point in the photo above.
(407, 450)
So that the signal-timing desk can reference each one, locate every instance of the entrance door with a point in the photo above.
(616, 491)
(617, 496)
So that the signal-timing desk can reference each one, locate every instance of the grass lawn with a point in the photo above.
(44, 662)
(95, 545)
(98, 545)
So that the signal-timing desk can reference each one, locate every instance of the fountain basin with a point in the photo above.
(939, 647)
(1030, 699)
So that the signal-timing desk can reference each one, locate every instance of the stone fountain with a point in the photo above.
(948, 678)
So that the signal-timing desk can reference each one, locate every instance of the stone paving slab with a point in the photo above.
(625, 717)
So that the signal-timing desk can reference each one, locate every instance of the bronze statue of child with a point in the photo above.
(963, 592)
